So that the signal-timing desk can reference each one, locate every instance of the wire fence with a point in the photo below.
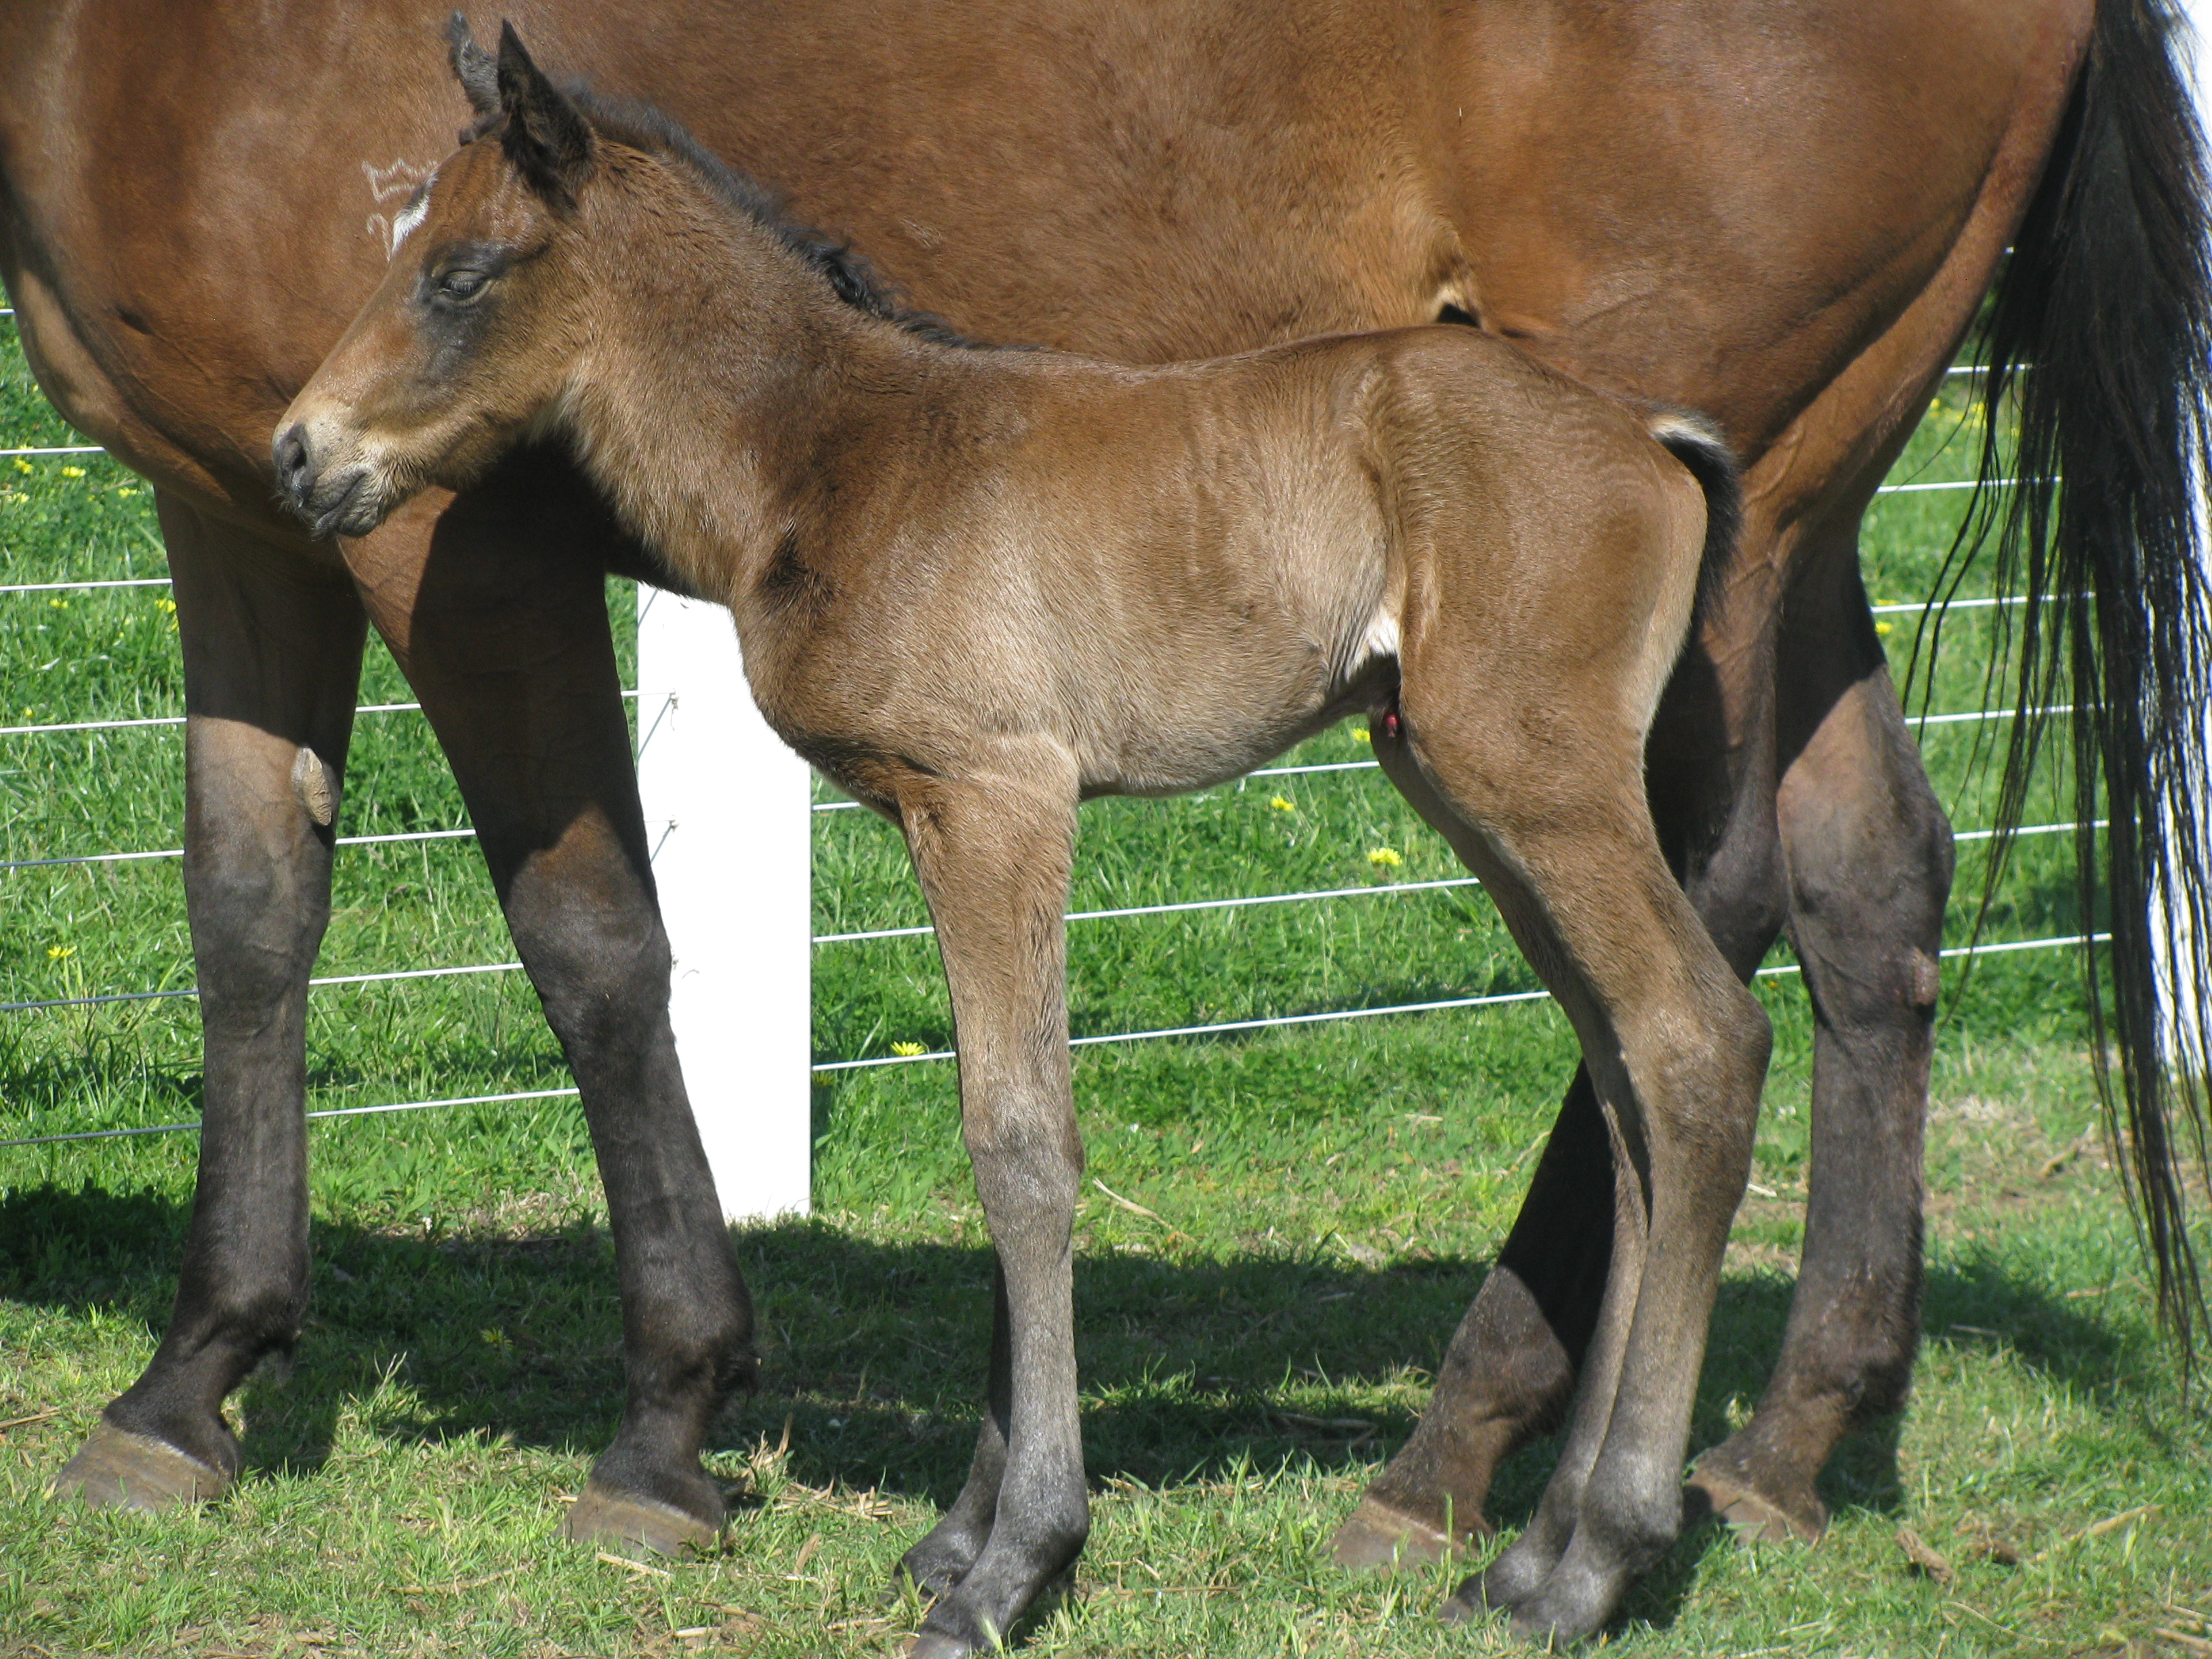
(1970, 717)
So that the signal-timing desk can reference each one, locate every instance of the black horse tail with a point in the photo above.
(2099, 333)
(1705, 454)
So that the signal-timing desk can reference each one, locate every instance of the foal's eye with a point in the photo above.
(462, 282)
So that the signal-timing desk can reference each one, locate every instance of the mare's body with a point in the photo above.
(1784, 214)
(976, 587)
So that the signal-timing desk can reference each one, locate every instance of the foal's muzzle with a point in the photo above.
(341, 500)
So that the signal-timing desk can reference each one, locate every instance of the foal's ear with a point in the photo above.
(473, 67)
(546, 137)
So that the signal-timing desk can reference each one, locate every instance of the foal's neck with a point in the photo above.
(723, 377)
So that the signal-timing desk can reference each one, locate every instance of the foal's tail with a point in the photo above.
(2099, 337)
(1692, 441)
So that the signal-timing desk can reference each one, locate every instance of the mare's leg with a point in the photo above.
(272, 660)
(1870, 867)
(496, 609)
(1560, 833)
(1510, 1371)
(993, 855)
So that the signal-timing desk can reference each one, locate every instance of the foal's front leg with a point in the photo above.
(994, 857)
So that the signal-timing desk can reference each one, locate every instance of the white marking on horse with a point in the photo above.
(410, 215)
(401, 179)
(1380, 641)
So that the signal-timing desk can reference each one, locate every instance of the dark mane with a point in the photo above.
(641, 126)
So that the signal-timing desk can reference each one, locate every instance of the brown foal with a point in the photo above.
(977, 586)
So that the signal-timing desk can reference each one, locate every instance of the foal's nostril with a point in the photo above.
(290, 452)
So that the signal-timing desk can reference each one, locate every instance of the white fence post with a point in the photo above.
(728, 814)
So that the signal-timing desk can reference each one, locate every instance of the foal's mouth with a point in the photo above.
(341, 501)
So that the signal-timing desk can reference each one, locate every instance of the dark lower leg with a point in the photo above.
(1041, 1515)
(1510, 1371)
(272, 658)
(993, 863)
(941, 1559)
(1519, 1573)
(1870, 856)
(503, 629)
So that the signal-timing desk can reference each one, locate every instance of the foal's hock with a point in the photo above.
(975, 586)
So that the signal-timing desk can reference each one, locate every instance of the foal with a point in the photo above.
(975, 587)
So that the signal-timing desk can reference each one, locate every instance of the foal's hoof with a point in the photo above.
(1465, 1605)
(603, 1515)
(117, 1469)
(1752, 1514)
(1379, 1538)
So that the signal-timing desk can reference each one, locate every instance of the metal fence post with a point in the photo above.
(728, 814)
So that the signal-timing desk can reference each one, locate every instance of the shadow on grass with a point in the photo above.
(874, 1351)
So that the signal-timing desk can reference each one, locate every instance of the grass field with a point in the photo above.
(1281, 1231)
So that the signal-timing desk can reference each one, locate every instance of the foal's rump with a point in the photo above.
(1548, 529)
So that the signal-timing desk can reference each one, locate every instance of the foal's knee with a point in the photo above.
(1709, 1065)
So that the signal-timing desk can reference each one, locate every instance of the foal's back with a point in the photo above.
(1175, 574)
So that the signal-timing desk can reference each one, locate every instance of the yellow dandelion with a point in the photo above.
(908, 1049)
(1388, 857)
(127, 493)
(60, 952)
(1362, 735)
(58, 604)
(1282, 805)
(72, 473)
(167, 606)
(1882, 629)
(22, 466)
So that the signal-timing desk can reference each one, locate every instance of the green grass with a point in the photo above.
(1322, 1203)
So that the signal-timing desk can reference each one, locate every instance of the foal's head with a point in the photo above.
(471, 335)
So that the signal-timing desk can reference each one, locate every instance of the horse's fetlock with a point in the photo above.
(264, 1321)
(1639, 1518)
(1061, 1528)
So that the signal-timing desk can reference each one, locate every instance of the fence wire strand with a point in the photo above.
(1223, 1028)
(1497, 999)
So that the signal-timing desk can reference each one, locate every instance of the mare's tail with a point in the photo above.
(1692, 440)
(2100, 335)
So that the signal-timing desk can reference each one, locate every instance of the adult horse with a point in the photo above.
(1784, 216)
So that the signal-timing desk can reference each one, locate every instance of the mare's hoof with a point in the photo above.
(1713, 1495)
(1379, 1538)
(117, 1469)
(936, 1644)
(604, 1516)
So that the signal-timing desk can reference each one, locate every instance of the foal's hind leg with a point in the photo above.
(503, 629)
(994, 857)
(1508, 1373)
(1870, 867)
(272, 658)
(1677, 1050)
